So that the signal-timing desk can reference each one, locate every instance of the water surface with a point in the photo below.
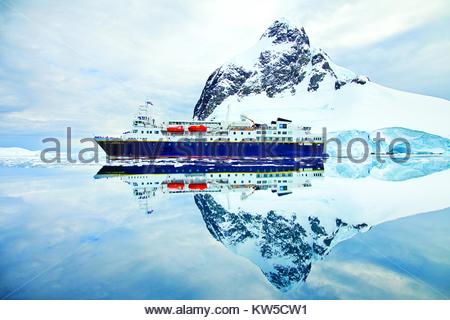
(369, 231)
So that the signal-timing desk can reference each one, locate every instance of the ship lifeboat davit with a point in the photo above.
(175, 129)
(175, 185)
(198, 186)
(197, 128)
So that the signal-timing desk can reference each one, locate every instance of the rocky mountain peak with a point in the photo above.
(281, 32)
(281, 63)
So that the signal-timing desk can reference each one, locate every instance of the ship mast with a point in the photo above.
(149, 110)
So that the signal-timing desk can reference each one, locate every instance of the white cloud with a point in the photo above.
(359, 23)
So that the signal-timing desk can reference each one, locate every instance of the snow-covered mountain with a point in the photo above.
(283, 76)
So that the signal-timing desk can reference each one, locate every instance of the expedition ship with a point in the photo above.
(211, 139)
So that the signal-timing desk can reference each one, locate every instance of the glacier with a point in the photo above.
(419, 142)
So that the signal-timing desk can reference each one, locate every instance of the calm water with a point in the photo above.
(369, 231)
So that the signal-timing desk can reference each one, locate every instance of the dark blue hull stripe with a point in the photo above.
(157, 149)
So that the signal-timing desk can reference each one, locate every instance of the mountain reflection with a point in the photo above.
(252, 208)
(283, 247)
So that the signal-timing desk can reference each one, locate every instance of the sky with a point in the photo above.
(89, 64)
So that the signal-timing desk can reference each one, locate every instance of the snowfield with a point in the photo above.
(353, 107)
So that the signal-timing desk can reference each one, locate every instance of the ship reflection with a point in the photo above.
(201, 177)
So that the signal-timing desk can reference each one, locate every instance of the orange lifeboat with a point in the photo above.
(198, 186)
(197, 128)
(175, 129)
(175, 185)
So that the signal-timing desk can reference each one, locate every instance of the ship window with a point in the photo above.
(249, 133)
(284, 132)
(242, 133)
(142, 131)
(289, 139)
(258, 132)
(234, 132)
(134, 131)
